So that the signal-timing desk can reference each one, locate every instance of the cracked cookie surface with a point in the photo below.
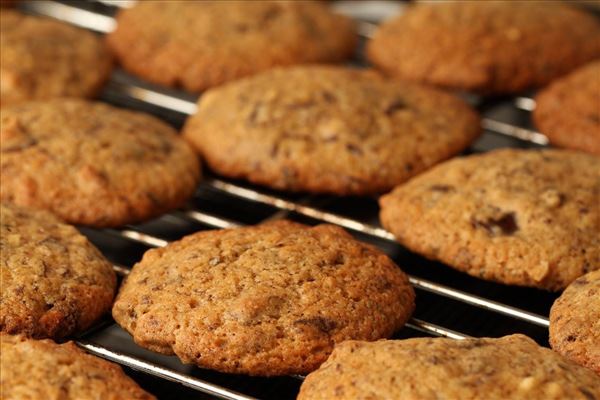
(200, 44)
(520, 217)
(568, 111)
(486, 46)
(93, 164)
(54, 281)
(511, 367)
(328, 129)
(575, 322)
(41, 58)
(42, 369)
(271, 299)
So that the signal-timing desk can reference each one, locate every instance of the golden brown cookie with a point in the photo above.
(568, 111)
(42, 369)
(575, 322)
(520, 217)
(328, 129)
(200, 44)
(271, 299)
(93, 164)
(41, 59)
(512, 367)
(54, 282)
(486, 46)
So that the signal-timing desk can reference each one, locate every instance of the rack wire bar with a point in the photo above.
(517, 132)
(73, 15)
(301, 209)
(481, 302)
(436, 330)
(162, 372)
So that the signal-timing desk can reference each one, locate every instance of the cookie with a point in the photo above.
(568, 111)
(575, 322)
(200, 44)
(328, 130)
(93, 164)
(485, 46)
(271, 299)
(54, 282)
(520, 217)
(41, 59)
(42, 369)
(511, 367)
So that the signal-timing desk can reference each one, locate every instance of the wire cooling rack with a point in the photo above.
(449, 304)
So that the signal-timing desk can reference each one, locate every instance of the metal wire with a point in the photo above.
(162, 372)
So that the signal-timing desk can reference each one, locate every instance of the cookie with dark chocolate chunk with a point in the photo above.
(486, 46)
(520, 217)
(575, 322)
(328, 129)
(568, 111)
(270, 299)
(93, 164)
(54, 281)
(511, 367)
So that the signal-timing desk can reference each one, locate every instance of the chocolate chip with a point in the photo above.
(396, 105)
(595, 118)
(506, 224)
(325, 325)
(328, 97)
(571, 338)
(354, 149)
(408, 167)
(442, 188)
(271, 13)
(588, 395)
(275, 150)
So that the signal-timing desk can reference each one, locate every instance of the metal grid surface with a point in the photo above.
(449, 303)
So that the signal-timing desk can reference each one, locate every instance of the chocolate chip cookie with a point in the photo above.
(200, 44)
(54, 282)
(41, 58)
(512, 367)
(486, 46)
(93, 164)
(520, 217)
(568, 111)
(575, 322)
(271, 299)
(328, 130)
(42, 369)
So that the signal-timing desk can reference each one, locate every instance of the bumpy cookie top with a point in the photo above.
(522, 217)
(199, 44)
(512, 367)
(54, 282)
(486, 46)
(568, 111)
(42, 369)
(575, 322)
(41, 58)
(271, 299)
(93, 164)
(328, 129)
